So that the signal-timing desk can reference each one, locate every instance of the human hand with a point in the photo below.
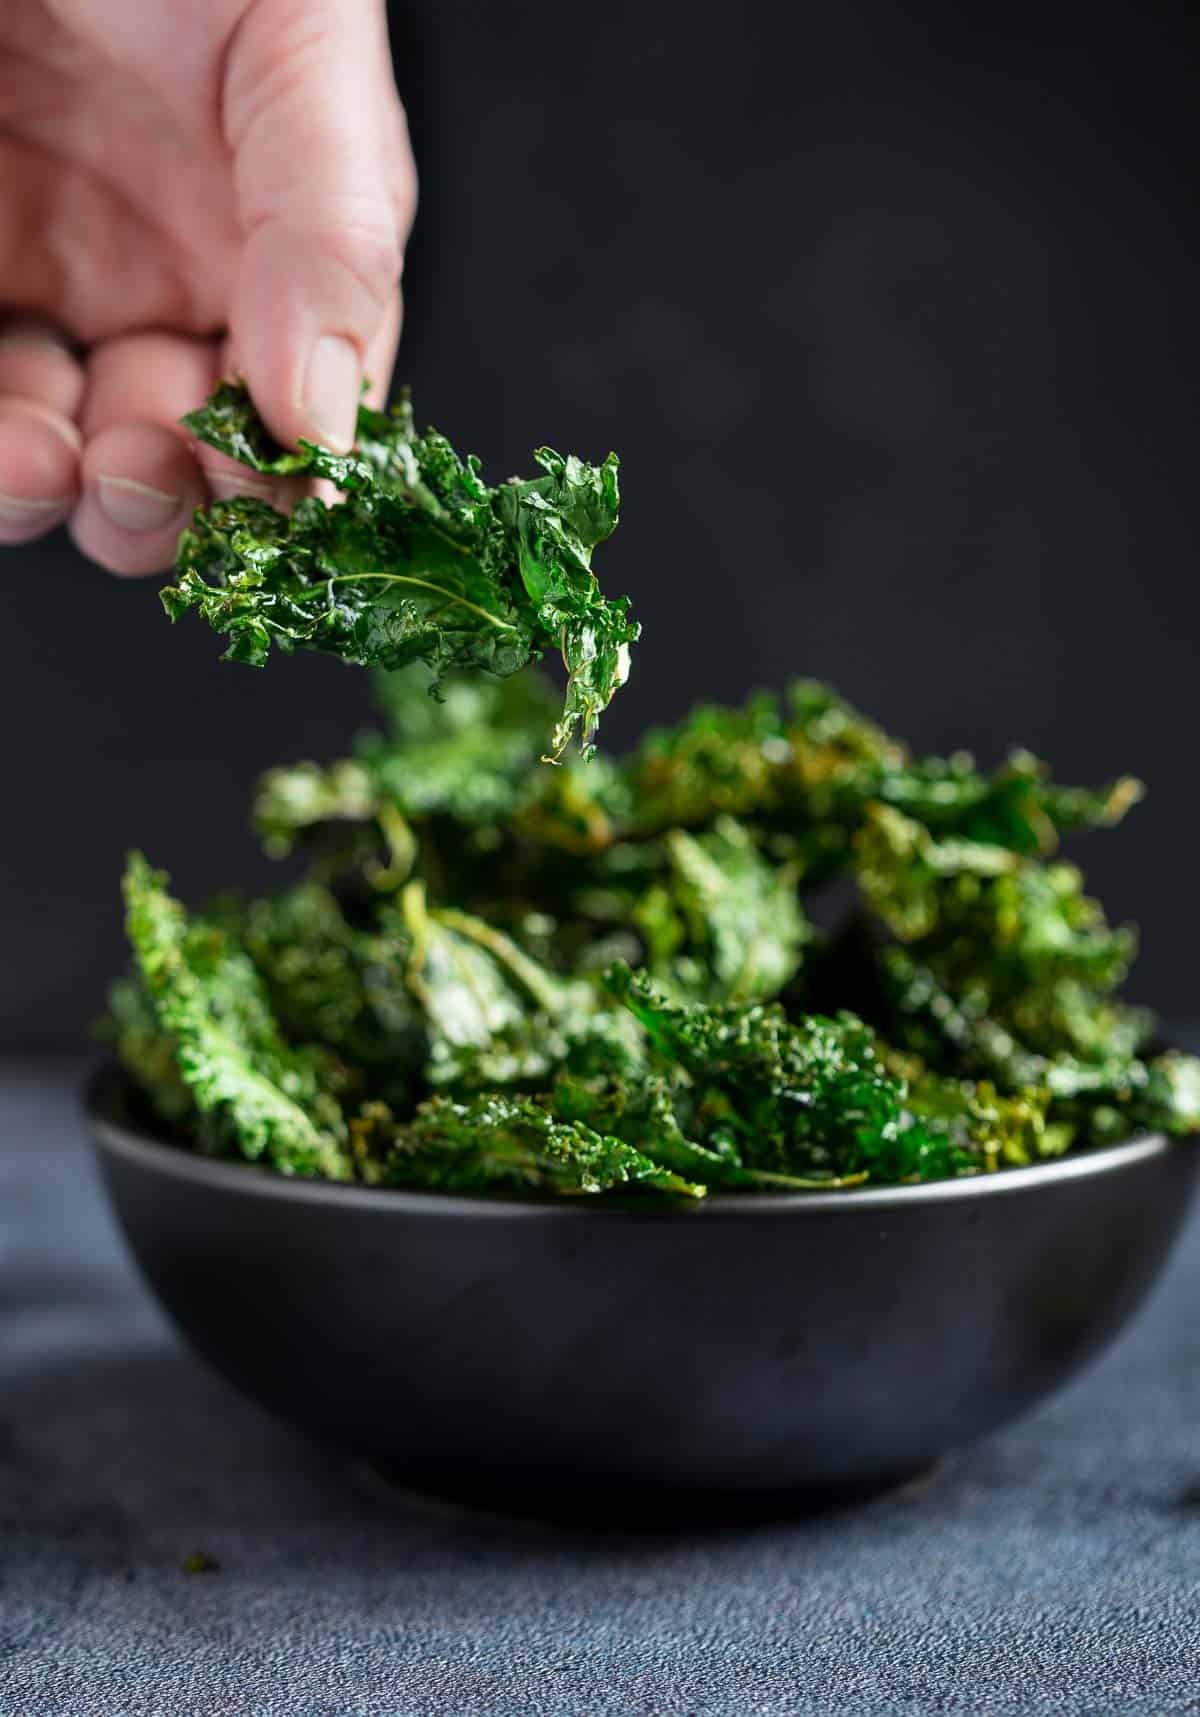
(187, 191)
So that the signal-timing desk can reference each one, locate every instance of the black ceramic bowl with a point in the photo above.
(745, 1352)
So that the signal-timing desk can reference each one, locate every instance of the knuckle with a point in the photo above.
(369, 250)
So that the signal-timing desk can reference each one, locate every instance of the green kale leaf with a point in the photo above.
(467, 753)
(513, 1143)
(148, 1053)
(1027, 961)
(338, 984)
(811, 766)
(811, 1098)
(722, 923)
(493, 1015)
(420, 561)
(267, 1099)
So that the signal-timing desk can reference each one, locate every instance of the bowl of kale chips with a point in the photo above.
(551, 1144)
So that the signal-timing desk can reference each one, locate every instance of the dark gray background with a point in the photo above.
(891, 316)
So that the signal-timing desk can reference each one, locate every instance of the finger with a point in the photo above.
(325, 195)
(73, 247)
(140, 477)
(146, 378)
(156, 378)
(140, 487)
(39, 469)
(40, 385)
(381, 358)
(226, 478)
(381, 354)
(36, 363)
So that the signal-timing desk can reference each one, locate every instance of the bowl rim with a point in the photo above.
(125, 1137)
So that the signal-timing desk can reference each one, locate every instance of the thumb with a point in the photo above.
(325, 189)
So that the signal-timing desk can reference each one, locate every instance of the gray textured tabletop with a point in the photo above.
(1054, 1568)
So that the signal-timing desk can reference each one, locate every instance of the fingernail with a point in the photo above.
(16, 510)
(33, 337)
(331, 392)
(134, 506)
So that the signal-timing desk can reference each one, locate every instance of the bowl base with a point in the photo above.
(625, 1511)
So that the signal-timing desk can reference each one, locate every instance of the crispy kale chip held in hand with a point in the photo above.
(421, 561)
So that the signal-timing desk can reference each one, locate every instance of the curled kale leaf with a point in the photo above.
(269, 1099)
(420, 561)
(501, 1142)
(815, 1098)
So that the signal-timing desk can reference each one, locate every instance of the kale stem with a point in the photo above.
(421, 583)
(525, 970)
(800, 1183)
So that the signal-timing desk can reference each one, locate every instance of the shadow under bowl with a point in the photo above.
(637, 1361)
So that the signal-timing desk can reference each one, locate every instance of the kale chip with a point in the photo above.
(420, 560)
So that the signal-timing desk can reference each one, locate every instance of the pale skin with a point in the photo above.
(188, 189)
